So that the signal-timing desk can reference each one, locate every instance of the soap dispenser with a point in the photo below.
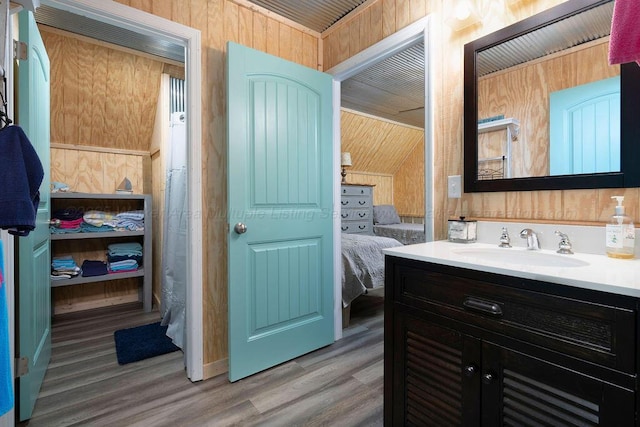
(620, 233)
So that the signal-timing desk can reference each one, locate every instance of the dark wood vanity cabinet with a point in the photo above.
(469, 348)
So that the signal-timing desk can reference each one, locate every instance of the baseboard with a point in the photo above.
(213, 369)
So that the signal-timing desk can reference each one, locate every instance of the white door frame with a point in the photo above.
(391, 45)
(145, 23)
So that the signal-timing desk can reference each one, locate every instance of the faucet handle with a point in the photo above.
(505, 240)
(564, 245)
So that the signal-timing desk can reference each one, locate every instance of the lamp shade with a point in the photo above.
(345, 159)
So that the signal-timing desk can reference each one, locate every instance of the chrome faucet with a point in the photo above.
(564, 245)
(533, 243)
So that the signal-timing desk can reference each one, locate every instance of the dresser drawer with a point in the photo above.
(356, 227)
(355, 214)
(598, 333)
(354, 190)
(355, 202)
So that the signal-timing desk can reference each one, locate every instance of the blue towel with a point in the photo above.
(21, 174)
(6, 377)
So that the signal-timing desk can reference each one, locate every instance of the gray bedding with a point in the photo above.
(407, 234)
(362, 264)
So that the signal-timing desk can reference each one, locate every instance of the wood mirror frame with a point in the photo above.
(629, 175)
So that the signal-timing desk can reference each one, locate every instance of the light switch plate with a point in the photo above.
(454, 186)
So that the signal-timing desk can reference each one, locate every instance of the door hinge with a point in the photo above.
(21, 366)
(20, 50)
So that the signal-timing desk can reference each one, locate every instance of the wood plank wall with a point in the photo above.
(520, 91)
(383, 151)
(385, 17)
(103, 105)
(100, 96)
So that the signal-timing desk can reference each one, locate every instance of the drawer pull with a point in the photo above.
(345, 228)
(344, 215)
(344, 202)
(487, 307)
(362, 215)
(362, 202)
(362, 227)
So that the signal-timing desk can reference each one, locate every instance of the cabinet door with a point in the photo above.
(522, 390)
(436, 375)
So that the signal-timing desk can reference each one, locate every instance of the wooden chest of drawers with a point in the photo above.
(356, 212)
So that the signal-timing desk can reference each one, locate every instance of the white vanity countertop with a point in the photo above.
(619, 276)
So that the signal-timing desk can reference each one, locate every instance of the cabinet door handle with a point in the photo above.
(470, 370)
(482, 306)
(488, 378)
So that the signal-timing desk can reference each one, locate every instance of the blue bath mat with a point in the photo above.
(142, 342)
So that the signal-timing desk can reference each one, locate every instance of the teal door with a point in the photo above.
(280, 186)
(33, 336)
(584, 128)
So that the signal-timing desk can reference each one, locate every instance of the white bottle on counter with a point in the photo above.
(620, 233)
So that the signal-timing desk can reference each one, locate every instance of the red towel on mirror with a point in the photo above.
(624, 42)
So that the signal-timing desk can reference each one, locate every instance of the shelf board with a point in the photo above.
(96, 235)
(71, 195)
(104, 278)
(499, 124)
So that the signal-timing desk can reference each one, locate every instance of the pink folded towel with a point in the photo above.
(624, 42)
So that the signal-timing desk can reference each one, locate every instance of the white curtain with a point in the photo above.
(174, 246)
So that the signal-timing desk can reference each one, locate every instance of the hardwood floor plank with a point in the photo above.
(340, 384)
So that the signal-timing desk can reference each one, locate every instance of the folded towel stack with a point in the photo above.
(130, 220)
(92, 268)
(68, 220)
(97, 221)
(64, 268)
(124, 257)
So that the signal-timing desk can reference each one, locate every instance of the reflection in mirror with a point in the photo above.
(524, 92)
(542, 104)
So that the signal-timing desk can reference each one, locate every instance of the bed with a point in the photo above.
(386, 222)
(362, 266)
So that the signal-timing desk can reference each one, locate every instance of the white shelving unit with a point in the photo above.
(142, 201)
(512, 126)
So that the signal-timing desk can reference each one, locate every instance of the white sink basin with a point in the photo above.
(521, 257)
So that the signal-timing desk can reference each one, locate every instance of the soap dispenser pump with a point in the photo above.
(620, 233)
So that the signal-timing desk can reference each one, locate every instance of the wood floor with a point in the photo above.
(339, 385)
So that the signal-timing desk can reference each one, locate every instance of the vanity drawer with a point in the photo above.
(598, 333)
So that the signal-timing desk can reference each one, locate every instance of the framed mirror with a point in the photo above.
(543, 109)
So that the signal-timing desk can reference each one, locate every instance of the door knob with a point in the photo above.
(240, 228)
